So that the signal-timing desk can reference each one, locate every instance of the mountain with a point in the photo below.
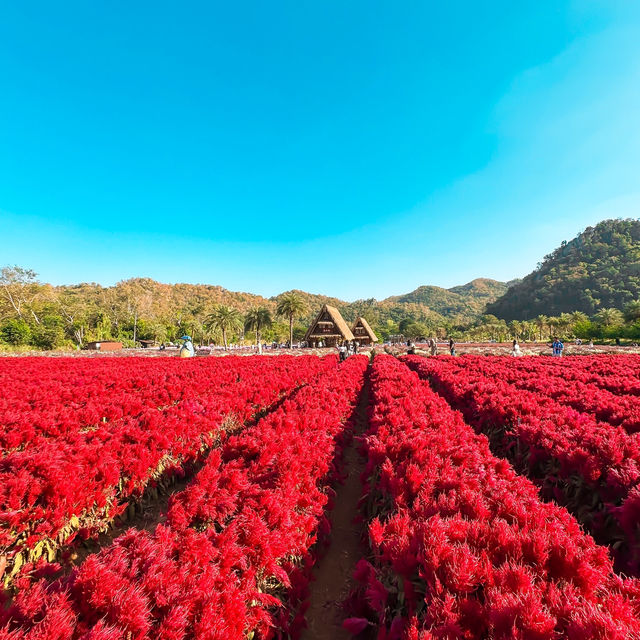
(597, 269)
(427, 304)
(464, 301)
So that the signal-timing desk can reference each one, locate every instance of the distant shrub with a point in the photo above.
(15, 332)
(49, 334)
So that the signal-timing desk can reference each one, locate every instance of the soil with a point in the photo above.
(333, 574)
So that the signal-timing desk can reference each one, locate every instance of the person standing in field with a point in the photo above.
(516, 349)
(557, 348)
(452, 347)
(342, 352)
(187, 350)
(433, 346)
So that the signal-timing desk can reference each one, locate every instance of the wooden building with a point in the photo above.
(104, 345)
(363, 332)
(328, 327)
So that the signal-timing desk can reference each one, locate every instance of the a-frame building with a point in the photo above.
(329, 328)
(363, 332)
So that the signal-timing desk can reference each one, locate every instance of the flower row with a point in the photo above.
(461, 546)
(618, 373)
(576, 390)
(233, 558)
(50, 398)
(591, 467)
(60, 486)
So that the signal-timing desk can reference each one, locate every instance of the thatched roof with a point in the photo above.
(341, 327)
(365, 325)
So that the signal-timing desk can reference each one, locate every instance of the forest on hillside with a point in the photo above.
(598, 269)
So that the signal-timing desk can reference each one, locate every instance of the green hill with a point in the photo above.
(425, 304)
(600, 268)
(462, 302)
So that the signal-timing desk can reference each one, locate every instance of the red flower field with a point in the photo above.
(500, 496)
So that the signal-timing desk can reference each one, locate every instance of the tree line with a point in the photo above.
(37, 315)
(33, 314)
(607, 324)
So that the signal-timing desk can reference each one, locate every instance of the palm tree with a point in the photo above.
(563, 322)
(632, 311)
(541, 322)
(257, 319)
(225, 319)
(609, 317)
(528, 329)
(515, 327)
(578, 317)
(552, 323)
(290, 305)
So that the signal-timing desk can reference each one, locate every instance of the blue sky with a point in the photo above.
(356, 149)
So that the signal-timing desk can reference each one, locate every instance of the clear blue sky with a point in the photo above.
(355, 149)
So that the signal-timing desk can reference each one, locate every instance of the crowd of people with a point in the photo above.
(557, 347)
(348, 348)
(432, 346)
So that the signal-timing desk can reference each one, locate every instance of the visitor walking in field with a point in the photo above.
(452, 347)
(557, 348)
(187, 350)
(433, 346)
(342, 352)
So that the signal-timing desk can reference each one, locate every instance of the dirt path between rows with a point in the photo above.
(334, 571)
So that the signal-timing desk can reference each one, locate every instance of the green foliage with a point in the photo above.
(416, 330)
(609, 317)
(299, 332)
(15, 331)
(585, 329)
(598, 269)
(277, 332)
(632, 311)
(290, 305)
(49, 334)
(257, 319)
(383, 331)
(633, 331)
